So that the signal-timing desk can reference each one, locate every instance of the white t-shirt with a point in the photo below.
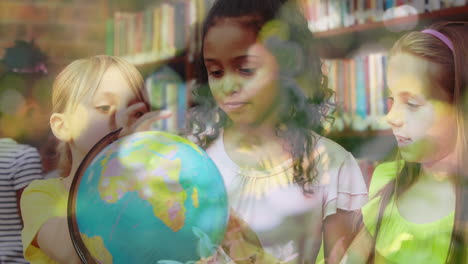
(287, 222)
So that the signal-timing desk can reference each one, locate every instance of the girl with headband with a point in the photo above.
(418, 210)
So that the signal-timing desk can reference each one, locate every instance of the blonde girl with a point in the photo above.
(91, 98)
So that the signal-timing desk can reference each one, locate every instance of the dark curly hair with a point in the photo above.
(285, 33)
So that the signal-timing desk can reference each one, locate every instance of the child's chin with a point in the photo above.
(240, 119)
(416, 153)
(410, 157)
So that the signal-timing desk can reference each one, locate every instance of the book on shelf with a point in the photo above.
(167, 91)
(155, 33)
(325, 15)
(359, 84)
(109, 36)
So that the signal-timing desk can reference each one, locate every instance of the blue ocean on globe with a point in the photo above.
(151, 197)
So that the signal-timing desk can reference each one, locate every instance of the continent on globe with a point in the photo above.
(195, 197)
(97, 248)
(156, 181)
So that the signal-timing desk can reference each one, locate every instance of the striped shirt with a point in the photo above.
(19, 165)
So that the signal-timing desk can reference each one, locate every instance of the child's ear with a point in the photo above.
(59, 126)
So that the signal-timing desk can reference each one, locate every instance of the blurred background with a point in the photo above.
(40, 37)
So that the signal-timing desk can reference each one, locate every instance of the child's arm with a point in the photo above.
(54, 240)
(338, 233)
(346, 194)
(360, 249)
(45, 235)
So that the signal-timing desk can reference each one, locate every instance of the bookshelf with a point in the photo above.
(426, 18)
(146, 31)
(341, 41)
(155, 36)
(353, 38)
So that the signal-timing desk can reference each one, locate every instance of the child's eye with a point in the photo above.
(139, 114)
(104, 108)
(412, 104)
(248, 71)
(216, 74)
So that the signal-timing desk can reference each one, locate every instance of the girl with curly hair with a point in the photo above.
(261, 100)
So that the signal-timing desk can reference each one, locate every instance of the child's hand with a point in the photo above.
(242, 245)
(209, 260)
(137, 118)
(238, 229)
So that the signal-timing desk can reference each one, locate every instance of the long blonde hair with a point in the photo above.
(78, 82)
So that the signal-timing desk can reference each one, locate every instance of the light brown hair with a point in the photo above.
(452, 79)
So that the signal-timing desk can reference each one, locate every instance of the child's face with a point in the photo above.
(422, 120)
(242, 73)
(103, 113)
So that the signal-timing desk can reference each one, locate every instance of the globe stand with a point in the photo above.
(78, 243)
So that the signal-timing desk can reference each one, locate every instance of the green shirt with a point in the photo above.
(399, 240)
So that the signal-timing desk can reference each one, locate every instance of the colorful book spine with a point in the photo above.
(155, 33)
(116, 37)
(359, 84)
(361, 97)
(168, 91)
(110, 36)
(172, 106)
(148, 30)
(325, 15)
(182, 105)
(139, 32)
(180, 34)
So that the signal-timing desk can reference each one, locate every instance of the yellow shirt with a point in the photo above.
(41, 201)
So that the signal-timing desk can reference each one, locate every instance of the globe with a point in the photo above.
(150, 197)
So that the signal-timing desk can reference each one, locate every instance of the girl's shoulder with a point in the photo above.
(341, 176)
(330, 150)
(335, 162)
(383, 174)
(51, 186)
(388, 168)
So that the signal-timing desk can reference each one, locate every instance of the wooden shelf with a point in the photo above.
(135, 5)
(453, 13)
(360, 134)
(373, 145)
(378, 36)
(143, 59)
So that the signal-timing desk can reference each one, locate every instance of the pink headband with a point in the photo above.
(440, 36)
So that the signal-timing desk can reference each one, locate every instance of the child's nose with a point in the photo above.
(395, 117)
(230, 85)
